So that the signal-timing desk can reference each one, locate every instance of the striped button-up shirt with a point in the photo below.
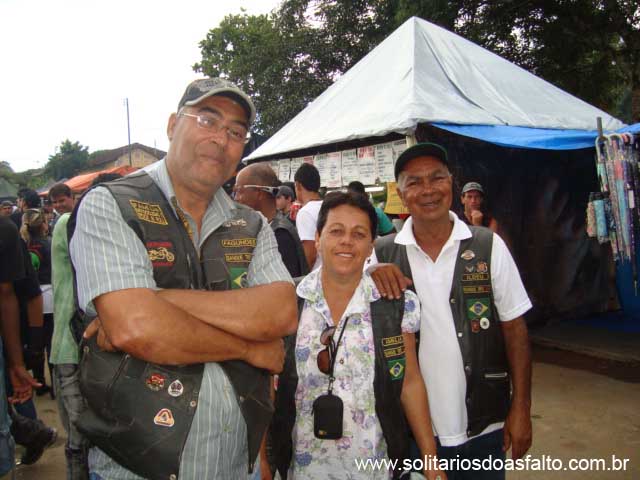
(109, 256)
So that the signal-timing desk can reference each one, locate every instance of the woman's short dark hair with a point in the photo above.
(336, 199)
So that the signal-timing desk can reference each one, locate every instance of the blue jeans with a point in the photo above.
(70, 405)
(7, 445)
(478, 448)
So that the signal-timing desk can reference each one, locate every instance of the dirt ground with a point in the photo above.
(577, 414)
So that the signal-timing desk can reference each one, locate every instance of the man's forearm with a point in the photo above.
(10, 324)
(260, 313)
(154, 330)
(310, 252)
(35, 311)
(518, 350)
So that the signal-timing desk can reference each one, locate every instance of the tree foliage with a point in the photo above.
(69, 159)
(284, 60)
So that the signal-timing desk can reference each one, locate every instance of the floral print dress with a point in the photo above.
(354, 373)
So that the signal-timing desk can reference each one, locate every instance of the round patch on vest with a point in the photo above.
(155, 382)
(176, 388)
(468, 255)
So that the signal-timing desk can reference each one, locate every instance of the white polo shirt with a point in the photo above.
(307, 225)
(439, 354)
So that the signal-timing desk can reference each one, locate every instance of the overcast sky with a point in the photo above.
(67, 66)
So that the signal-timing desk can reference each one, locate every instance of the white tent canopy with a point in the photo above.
(423, 73)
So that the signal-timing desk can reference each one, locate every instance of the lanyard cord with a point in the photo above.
(335, 356)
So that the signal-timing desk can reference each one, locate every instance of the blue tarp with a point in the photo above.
(524, 137)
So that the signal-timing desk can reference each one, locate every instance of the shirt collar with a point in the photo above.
(460, 231)
(221, 203)
(310, 288)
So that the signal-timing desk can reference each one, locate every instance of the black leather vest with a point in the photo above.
(140, 413)
(477, 325)
(387, 386)
(280, 222)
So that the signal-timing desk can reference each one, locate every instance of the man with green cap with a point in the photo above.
(473, 339)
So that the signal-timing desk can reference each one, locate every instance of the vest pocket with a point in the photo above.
(491, 398)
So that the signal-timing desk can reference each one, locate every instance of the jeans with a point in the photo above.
(70, 405)
(7, 445)
(479, 448)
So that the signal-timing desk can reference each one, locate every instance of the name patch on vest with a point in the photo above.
(393, 347)
(477, 289)
(238, 242)
(475, 277)
(160, 254)
(149, 212)
(235, 223)
(238, 257)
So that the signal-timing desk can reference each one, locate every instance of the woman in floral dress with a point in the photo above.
(336, 330)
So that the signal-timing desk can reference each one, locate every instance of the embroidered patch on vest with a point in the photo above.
(149, 212)
(155, 382)
(392, 346)
(475, 277)
(238, 278)
(164, 418)
(475, 326)
(160, 254)
(396, 368)
(476, 307)
(238, 257)
(235, 223)
(477, 289)
(389, 341)
(393, 352)
(238, 242)
(176, 388)
(482, 267)
(468, 255)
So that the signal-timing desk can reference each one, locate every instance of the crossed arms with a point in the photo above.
(177, 326)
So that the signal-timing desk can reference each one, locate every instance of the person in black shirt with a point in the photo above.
(257, 187)
(34, 232)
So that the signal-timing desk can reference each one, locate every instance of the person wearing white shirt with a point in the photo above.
(307, 184)
(474, 345)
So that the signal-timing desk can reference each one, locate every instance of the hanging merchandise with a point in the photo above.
(613, 213)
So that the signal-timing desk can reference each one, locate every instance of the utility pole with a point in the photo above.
(126, 102)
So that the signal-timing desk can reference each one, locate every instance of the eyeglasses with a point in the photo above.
(270, 190)
(325, 356)
(214, 124)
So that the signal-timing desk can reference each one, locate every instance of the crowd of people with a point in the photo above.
(267, 331)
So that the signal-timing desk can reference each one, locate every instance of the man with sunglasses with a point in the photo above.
(192, 301)
(257, 187)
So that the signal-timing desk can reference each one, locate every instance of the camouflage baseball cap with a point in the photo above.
(472, 186)
(203, 88)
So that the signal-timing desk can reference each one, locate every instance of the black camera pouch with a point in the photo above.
(327, 417)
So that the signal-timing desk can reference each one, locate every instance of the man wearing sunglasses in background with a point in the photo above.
(257, 187)
(186, 391)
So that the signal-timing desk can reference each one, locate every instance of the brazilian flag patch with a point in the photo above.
(238, 277)
(476, 307)
(396, 368)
